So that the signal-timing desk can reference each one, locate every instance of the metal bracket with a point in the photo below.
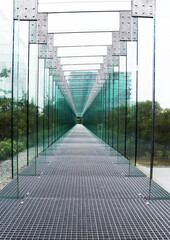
(46, 50)
(110, 69)
(135, 29)
(53, 72)
(50, 45)
(42, 51)
(123, 48)
(142, 8)
(109, 59)
(42, 26)
(125, 26)
(48, 63)
(52, 63)
(33, 32)
(115, 43)
(26, 10)
(115, 61)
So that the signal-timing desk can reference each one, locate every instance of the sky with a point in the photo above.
(110, 22)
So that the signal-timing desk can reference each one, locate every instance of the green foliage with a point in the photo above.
(5, 148)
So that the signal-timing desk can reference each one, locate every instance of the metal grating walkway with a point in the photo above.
(81, 191)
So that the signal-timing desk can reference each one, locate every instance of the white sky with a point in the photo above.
(109, 21)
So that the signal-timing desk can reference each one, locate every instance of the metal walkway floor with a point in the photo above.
(81, 191)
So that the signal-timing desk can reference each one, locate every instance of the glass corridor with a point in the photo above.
(105, 63)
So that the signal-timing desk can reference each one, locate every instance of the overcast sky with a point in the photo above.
(110, 21)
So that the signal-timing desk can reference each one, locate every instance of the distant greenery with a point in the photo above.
(162, 125)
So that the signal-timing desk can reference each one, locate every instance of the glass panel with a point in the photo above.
(7, 168)
(22, 96)
(46, 109)
(41, 107)
(50, 110)
(144, 105)
(131, 105)
(32, 110)
(122, 105)
(161, 164)
(15, 99)
(115, 107)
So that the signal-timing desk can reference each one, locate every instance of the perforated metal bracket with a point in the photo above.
(48, 63)
(135, 29)
(42, 51)
(26, 10)
(46, 50)
(110, 69)
(53, 72)
(115, 43)
(142, 8)
(115, 61)
(101, 75)
(42, 28)
(50, 45)
(33, 32)
(109, 59)
(123, 48)
(54, 62)
(125, 26)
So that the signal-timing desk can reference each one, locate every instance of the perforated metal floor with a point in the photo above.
(81, 191)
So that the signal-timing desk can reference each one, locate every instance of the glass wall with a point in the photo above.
(6, 42)
(161, 154)
(33, 110)
(134, 112)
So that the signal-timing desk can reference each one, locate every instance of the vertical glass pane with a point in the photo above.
(122, 103)
(115, 106)
(41, 106)
(8, 169)
(161, 164)
(21, 120)
(50, 110)
(144, 105)
(32, 110)
(46, 109)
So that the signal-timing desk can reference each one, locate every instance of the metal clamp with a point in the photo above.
(142, 8)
